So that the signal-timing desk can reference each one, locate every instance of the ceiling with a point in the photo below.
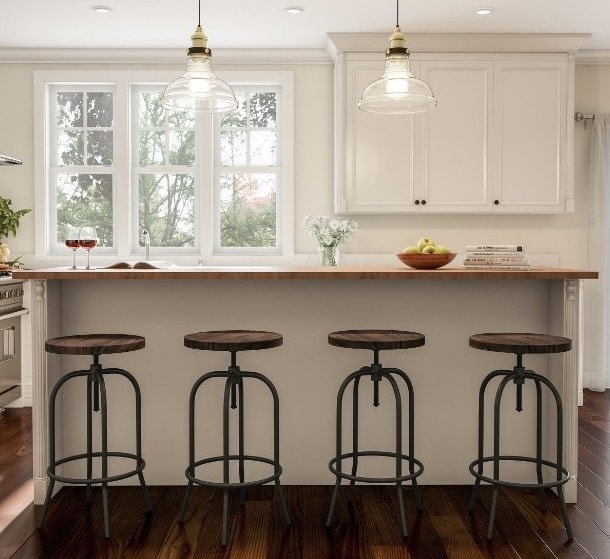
(265, 24)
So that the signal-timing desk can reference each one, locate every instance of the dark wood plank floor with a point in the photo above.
(370, 531)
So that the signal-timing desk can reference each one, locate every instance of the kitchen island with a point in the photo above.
(305, 304)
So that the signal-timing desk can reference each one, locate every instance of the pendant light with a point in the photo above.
(199, 88)
(397, 91)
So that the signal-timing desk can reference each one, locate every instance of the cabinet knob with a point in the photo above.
(417, 202)
(423, 202)
(496, 202)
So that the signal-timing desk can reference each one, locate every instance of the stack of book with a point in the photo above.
(496, 257)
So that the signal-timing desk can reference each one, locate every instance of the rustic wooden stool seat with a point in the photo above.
(233, 341)
(520, 344)
(95, 345)
(376, 341)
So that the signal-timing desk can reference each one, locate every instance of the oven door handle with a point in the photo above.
(18, 312)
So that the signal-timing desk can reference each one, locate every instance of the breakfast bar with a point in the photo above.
(305, 304)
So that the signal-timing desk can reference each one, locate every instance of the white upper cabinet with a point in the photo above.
(530, 113)
(500, 140)
(382, 153)
(455, 170)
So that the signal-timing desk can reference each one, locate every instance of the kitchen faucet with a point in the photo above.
(146, 241)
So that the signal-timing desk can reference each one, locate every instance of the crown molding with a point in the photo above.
(160, 56)
(593, 57)
(461, 42)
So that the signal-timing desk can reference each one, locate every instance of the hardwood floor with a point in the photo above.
(370, 531)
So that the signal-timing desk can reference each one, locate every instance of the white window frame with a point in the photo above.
(126, 245)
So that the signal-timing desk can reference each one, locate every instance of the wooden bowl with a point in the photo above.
(425, 261)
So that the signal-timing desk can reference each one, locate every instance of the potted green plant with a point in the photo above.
(9, 223)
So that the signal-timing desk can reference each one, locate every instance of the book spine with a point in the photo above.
(502, 248)
(494, 254)
(498, 260)
(496, 267)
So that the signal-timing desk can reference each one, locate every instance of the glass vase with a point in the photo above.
(328, 256)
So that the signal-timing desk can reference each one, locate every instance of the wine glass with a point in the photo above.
(87, 239)
(71, 240)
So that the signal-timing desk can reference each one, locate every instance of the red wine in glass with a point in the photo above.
(87, 239)
(71, 240)
(87, 244)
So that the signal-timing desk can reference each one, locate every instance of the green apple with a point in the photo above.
(441, 250)
(411, 250)
(430, 249)
(424, 242)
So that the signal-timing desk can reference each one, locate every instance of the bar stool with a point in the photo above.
(376, 340)
(95, 345)
(520, 344)
(233, 341)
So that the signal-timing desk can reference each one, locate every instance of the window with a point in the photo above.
(204, 185)
(247, 169)
(164, 162)
(81, 175)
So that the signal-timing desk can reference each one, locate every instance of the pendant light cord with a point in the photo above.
(396, 13)
(199, 18)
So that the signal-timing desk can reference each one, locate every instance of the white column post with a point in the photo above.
(39, 390)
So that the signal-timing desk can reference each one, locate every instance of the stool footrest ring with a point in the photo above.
(190, 471)
(90, 481)
(412, 461)
(556, 483)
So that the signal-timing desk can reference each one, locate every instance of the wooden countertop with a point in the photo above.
(299, 272)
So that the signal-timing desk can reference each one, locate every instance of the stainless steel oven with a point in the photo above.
(11, 310)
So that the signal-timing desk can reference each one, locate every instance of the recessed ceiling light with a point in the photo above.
(293, 9)
(101, 9)
(483, 11)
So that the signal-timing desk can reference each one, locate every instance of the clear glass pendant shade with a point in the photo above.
(199, 89)
(397, 91)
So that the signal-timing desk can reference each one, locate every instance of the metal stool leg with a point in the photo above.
(138, 418)
(411, 394)
(242, 490)
(541, 494)
(496, 451)
(276, 440)
(51, 415)
(338, 439)
(352, 483)
(225, 454)
(481, 432)
(398, 435)
(90, 387)
(559, 463)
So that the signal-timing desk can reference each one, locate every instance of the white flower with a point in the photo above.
(330, 232)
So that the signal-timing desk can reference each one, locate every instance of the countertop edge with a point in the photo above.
(300, 272)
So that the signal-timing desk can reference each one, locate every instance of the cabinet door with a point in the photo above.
(380, 154)
(455, 175)
(530, 130)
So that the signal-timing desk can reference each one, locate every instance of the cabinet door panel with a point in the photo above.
(530, 124)
(455, 169)
(380, 164)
